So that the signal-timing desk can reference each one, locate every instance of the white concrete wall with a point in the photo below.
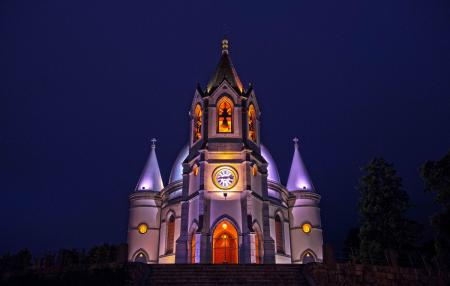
(163, 257)
(143, 211)
(306, 211)
(273, 211)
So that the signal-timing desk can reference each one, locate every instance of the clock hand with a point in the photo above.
(225, 177)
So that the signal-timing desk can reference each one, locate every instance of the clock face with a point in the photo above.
(225, 177)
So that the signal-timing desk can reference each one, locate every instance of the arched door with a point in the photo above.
(225, 244)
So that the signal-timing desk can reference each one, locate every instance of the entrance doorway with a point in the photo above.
(225, 243)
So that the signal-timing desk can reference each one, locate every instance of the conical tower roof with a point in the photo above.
(299, 179)
(151, 179)
(225, 71)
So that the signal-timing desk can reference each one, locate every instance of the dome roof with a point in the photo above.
(272, 170)
(177, 169)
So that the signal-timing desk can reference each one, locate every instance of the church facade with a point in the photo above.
(224, 201)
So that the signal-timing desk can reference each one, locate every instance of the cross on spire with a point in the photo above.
(295, 141)
(153, 142)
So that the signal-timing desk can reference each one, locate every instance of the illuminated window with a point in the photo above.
(142, 228)
(193, 248)
(170, 234)
(251, 123)
(197, 129)
(225, 116)
(258, 249)
(279, 234)
(306, 227)
(254, 170)
(308, 257)
(195, 170)
(140, 257)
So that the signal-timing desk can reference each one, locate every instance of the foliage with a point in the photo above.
(18, 262)
(382, 207)
(352, 243)
(436, 176)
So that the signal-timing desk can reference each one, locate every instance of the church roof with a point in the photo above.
(151, 179)
(225, 71)
(299, 179)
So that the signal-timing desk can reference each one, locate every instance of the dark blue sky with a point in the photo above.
(84, 85)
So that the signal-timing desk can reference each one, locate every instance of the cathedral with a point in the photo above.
(224, 201)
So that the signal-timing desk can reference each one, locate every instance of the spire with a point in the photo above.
(150, 179)
(299, 179)
(225, 71)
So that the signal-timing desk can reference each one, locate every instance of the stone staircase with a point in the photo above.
(204, 274)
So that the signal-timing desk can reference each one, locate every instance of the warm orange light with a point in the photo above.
(142, 228)
(254, 170)
(225, 248)
(197, 122)
(195, 169)
(251, 123)
(225, 115)
(306, 227)
(224, 226)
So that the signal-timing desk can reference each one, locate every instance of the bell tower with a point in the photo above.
(224, 201)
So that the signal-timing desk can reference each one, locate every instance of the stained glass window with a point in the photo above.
(225, 115)
(251, 123)
(197, 122)
(193, 248)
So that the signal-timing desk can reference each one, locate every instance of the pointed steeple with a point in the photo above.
(150, 179)
(299, 179)
(225, 71)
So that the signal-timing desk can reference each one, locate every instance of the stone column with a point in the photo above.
(245, 248)
(181, 254)
(269, 244)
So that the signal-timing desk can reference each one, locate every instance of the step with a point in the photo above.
(205, 274)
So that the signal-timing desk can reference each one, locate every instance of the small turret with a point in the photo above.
(144, 213)
(151, 179)
(299, 179)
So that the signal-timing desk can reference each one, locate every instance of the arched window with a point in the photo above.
(308, 257)
(258, 249)
(279, 234)
(252, 123)
(225, 243)
(170, 234)
(225, 115)
(197, 128)
(193, 247)
(140, 257)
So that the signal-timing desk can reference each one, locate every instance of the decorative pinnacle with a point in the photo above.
(153, 142)
(224, 46)
(295, 142)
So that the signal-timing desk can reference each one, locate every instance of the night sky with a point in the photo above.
(85, 85)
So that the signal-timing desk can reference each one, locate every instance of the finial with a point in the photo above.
(153, 142)
(224, 46)
(295, 142)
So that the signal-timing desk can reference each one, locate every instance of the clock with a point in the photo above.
(225, 177)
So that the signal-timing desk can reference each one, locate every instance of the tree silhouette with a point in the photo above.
(436, 176)
(382, 207)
